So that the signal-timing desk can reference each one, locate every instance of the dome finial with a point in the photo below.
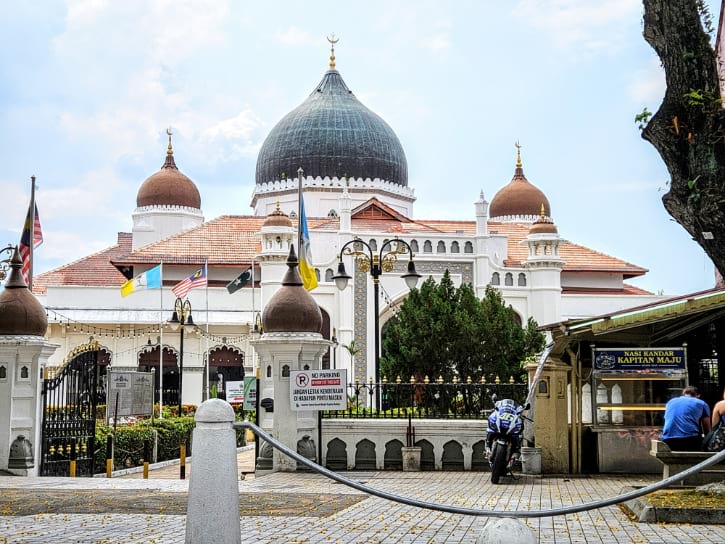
(518, 154)
(170, 150)
(333, 40)
(543, 213)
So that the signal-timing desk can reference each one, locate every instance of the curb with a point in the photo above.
(642, 511)
(160, 464)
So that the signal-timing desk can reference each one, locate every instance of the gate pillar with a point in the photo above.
(290, 340)
(24, 353)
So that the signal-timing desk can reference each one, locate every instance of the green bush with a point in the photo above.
(129, 441)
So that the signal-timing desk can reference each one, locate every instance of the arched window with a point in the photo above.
(427, 247)
(441, 247)
(373, 244)
(509, 279)
(455, 247)
(285, 371)
(414, 246)
(317, 274)
(328, 275)
(332, 213)
(495, 279)
(468, 248)
(522, 280)
(269, 371)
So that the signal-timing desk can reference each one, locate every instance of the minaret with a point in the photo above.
(544, 266)
(167, 203)
(481, 215)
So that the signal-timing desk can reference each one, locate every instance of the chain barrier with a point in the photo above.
(715, 459)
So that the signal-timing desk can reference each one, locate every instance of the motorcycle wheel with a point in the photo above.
(498, 466)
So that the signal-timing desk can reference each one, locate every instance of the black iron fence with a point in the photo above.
(435, 400)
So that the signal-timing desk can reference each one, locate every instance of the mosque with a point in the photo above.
(354, 177)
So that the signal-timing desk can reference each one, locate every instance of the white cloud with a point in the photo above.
(296, 36)
(438, 42)
(238, 136)
(648, 85)
(68, 246)
(591, 25)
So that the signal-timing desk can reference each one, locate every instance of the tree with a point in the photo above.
(688, 130)
(442, 330)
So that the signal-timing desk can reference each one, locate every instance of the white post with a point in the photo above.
(212, 513)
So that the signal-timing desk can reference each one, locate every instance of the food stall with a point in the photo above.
(630, 387)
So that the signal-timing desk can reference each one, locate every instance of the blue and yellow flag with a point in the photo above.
(151, 279)
(307, 271)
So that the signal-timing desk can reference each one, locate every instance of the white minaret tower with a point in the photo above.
(544, 265)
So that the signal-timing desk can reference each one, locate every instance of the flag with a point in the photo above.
(197, 279)
(151, 279)
(24, 247)
(240, 281)
(307, 271)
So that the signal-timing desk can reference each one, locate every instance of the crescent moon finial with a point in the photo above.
(518, 154)
(333, 39)
(170, 150)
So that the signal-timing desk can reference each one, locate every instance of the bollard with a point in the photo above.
(146, 454)
(212, 513)
(182, 460)
(506, 531)
(73, 457)
(109, 456)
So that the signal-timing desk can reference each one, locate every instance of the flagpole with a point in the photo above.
(300, 173)
(161, 343)
(32, 231)
(206, 338)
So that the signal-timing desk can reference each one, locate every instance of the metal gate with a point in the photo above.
(69, 414)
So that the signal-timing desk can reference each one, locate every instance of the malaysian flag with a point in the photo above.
(31, 223)
(197, 279)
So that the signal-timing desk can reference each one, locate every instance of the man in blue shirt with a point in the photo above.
(683, 417)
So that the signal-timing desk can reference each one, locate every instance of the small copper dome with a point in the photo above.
(543, 225)
(292, 308)
(20, 311)
(519, 198)
(277, 219)
(168, 187)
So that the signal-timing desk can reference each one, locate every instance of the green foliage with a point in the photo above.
(129, 440)
(642, 118)
(446, 331)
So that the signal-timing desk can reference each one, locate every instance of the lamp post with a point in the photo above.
(181, 319)
(376, 262)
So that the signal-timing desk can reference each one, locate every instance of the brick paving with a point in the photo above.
(307, 508)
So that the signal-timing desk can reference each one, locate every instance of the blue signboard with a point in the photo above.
(651, 359)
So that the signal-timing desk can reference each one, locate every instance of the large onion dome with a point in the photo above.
(168, 187)
(332, 134)
(292, 308)
(20, 311)
(519, 200)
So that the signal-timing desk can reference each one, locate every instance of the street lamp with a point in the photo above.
(181, 319)
(376, 263)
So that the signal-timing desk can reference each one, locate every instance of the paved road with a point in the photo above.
(306, 508)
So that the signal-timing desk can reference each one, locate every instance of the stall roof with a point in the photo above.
(644, 325)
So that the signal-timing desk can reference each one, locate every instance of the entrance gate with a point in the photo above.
(69, 414)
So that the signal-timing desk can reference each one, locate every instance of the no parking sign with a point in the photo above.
(318, 389)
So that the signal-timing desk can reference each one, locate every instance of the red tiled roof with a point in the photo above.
(93, 270)
(230, 240)
(626, 290)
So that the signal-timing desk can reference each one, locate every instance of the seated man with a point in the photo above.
(683, 417)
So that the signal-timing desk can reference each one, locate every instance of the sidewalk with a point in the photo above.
(303, 507)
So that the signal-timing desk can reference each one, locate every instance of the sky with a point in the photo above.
(89, 87)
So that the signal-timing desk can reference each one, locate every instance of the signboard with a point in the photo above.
(651, 359)
(250, 393)
(318, 389)
(235, 391)
(134, 391)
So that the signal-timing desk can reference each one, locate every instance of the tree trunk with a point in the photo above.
(688, 129)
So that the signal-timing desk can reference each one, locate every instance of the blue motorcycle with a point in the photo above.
(503, 439)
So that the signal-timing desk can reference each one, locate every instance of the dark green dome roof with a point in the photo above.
(332, 134)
